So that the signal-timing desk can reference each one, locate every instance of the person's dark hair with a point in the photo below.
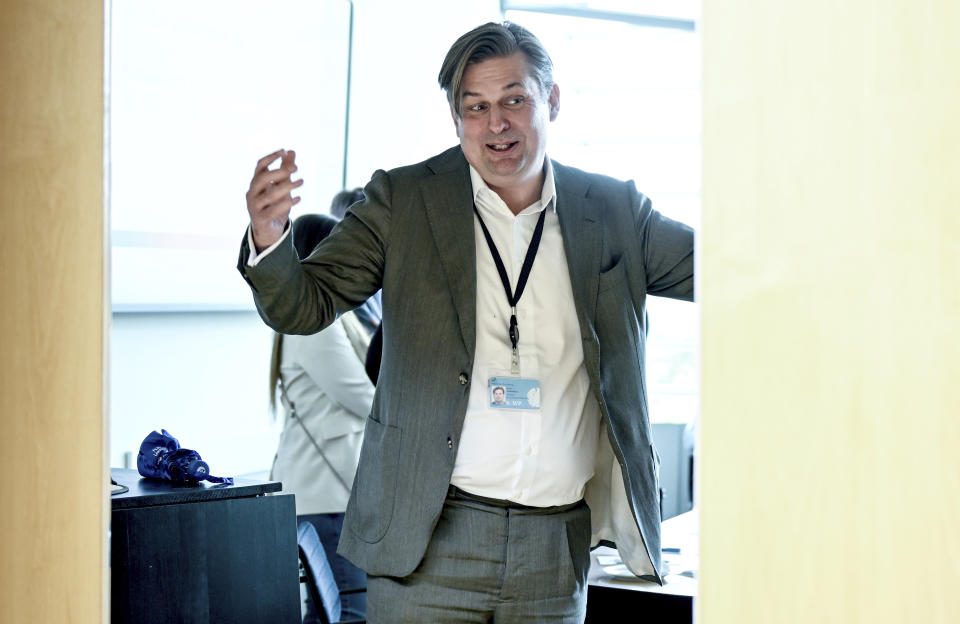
(308, 231)
(343, 200)
(493, 40)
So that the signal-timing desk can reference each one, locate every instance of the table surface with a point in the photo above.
(680, 543)
(145, 491)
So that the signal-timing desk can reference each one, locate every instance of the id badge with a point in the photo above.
(519, 393)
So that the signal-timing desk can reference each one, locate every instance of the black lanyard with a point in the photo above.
(514, 297)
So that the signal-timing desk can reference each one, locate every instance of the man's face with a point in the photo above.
(503, 123)
(498, 396)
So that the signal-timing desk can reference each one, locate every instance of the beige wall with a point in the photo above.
(830, 289)
(52, 475)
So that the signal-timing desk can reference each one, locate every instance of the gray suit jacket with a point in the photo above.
(414, 237)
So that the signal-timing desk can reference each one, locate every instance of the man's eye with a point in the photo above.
(516, 100)
(476, 108)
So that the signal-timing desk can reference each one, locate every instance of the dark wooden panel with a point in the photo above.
(145, 491)
(232, 560)
(612, 605)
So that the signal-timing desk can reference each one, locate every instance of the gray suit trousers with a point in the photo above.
(490, 563)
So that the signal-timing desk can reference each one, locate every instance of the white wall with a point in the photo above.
(200, 375)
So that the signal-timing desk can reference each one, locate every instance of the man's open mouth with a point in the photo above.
(501, 147)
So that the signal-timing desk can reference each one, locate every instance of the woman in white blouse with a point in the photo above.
(326, 395)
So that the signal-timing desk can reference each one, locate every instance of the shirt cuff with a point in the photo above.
(257, 257)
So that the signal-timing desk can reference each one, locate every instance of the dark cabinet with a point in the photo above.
(217, 554)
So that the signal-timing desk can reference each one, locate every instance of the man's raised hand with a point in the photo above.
(269, 200)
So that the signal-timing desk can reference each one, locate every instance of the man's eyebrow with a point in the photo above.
(512, 85)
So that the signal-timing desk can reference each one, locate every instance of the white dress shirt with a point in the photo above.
(538, 457)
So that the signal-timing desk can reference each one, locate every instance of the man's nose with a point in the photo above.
(498, 122)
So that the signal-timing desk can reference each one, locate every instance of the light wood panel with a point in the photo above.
(52, 469)
(830, 290)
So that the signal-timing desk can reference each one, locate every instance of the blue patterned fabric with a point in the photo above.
(161, 457)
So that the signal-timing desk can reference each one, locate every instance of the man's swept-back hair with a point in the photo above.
(493, 40)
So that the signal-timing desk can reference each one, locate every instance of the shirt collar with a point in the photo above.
(548, 196)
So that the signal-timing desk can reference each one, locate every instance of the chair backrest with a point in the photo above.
(320, 582)
(309, 230)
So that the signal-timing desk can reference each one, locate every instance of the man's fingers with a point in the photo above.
(267, 160)
(275, 215)
(269, 198)
(273, 193)
(288, 161)
(266, 179)
(280, 193)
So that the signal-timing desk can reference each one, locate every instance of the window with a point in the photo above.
(189, 116)
(630, 108)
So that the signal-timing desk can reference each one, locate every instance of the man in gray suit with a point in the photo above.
(499, 268)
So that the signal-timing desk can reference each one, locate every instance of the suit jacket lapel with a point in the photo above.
(448, 199)
(448, 202)
(582, 237)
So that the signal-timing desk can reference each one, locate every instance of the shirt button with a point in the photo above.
(463, 379)
(449, 443)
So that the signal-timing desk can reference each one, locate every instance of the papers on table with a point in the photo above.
(680, 552)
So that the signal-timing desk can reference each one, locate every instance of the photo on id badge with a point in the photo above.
(517, 393)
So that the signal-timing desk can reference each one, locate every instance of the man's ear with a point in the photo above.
(554, 101)
(456, 120)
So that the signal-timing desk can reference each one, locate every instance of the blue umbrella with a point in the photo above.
(161, 457)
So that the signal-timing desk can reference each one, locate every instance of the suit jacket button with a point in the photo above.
(463, 379)
(449, 443)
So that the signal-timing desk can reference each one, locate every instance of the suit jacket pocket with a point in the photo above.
(615, 313)
(612, 277)
(375, 487)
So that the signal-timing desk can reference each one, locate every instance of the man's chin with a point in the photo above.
(502, 172)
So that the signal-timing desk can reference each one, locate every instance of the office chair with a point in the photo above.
(316, 573)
